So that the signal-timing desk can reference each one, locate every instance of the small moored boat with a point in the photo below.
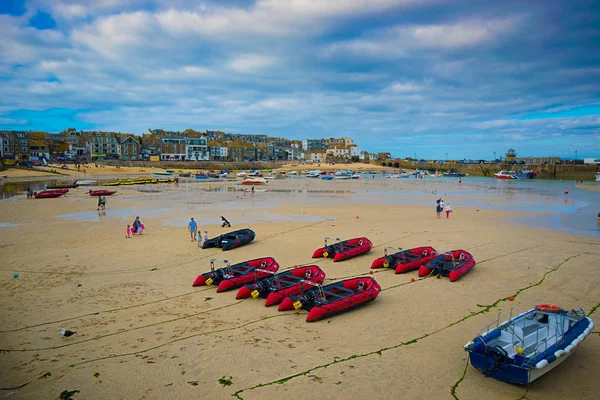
(279, 286)
(343, 250)
(102, 192)
(452, 264)
(506, 175)
(325, 301)
(234, 276)
(407, 260)
(254, 181)
(525, 347)
(86, 182)
(50, 194)
(230, 240)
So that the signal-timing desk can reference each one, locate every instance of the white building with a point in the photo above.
(196, 149)
(338, 151)
(316, 156)
(354, 151)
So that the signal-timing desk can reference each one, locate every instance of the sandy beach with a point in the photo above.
(143, 331)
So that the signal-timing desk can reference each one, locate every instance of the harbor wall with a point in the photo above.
(548, 171)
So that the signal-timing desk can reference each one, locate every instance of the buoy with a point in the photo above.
(520, 351)
(511, 298)
(412, 279)
(371, 272)
(15, 275)
(295, 266)
(357, 217)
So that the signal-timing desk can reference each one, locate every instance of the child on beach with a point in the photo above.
(205, 236)
(200, 238)
(128, 236)
(448, 211)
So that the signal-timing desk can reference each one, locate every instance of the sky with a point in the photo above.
(430, 79)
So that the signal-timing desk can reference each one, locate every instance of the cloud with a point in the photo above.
(406, 87)
(394, 75)
(250, 63)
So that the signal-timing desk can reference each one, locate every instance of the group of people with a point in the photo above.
(137, 227)
(196, 234)
(101, 202)
(441, 207)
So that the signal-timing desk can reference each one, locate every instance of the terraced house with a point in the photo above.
(129, 147)
(196, 148)
(104, 144)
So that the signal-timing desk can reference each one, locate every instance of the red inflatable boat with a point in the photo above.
(407, 260)
(102, 192)
(279, 286)
(344, 250)
(325, 301)
(234, 276)
(50, 194)
(452, 264)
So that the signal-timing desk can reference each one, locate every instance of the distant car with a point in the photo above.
(35, 163)
(64, 166)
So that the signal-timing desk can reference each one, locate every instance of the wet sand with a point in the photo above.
(145, 332)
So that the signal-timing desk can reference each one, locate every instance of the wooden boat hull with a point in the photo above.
(237, 275)
(285, 284)
(406, 260)
(339, 297)
(345, 249)
(453, 264)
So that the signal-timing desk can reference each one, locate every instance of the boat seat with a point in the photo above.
(531, 329)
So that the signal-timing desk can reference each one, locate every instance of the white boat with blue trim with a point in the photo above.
(525, 347)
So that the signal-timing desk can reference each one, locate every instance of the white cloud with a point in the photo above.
(406, 87)
(249, 63)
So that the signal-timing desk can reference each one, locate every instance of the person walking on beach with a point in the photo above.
(138, 227)
(199, 238)
(252, 190)
(438, 210)
(205, 236)
(128, 232)
(192, 227)
(104, 202)
(99, 202)
(448, 211)
(566, 191)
